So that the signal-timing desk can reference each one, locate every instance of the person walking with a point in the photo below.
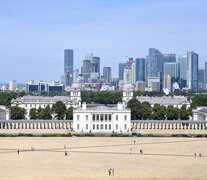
(199, 154)
(113, 172)
(109, 172)
(130, 150)
(18, 151)
(66, 153)
(64, 146)
(195, 155)
(134, 141)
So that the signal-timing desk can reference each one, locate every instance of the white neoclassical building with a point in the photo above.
(4, 113)
(200, 113)
(175, 101)
(102, 119)
(29, 102)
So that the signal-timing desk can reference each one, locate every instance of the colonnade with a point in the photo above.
(36, 124)
(169, 125)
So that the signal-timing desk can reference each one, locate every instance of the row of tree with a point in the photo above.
(144, 111)
(58, 110)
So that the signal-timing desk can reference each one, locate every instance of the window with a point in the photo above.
(109, 117)
(97, 127)
(117, 117)
(78, 126)
(125, 126)
(97, 117)
(94, 117)
(86, 126)
(105, 117)
(109, 126)
(101, 126)
(102, 116)
(78, 117)
(125, 117)
(86, 117)
(93, 126)
(105, 126)
(117, 126)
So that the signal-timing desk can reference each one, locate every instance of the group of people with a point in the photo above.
(195, 155)
(111, 172)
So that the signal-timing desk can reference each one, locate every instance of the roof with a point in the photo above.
(42, 99)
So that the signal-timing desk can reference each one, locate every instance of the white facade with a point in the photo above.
(4, 113)
(200, 113)
(127, 93)
(102, 119)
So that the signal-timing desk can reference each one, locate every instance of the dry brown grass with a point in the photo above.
(163, 158)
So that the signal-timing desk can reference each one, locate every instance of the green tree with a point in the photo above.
(59, 108)
(45, 113)
(69, 113)
(172, 113)
(199, 100)
(159, 112)
(184, 113)
(146, 111)
(6, 97)
(17, 113)
(33, 114)
(135, 106)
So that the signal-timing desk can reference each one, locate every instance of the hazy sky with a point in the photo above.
(34, 33)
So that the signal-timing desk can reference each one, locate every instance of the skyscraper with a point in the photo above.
(140, 69)
(68, 66)
(133, 68)
(192, 70)
(183, 67)
(169, 58)
(205, 73)
(95, 65)
(167, 82)
(86, 70)
(122, 66)
(12, 85)
(154, 65)
(173, 69)
(107, 75)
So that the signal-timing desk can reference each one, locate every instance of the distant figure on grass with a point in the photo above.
(140, 151)
(134, 141)
(199, 154)
(195, 155)
(113, 172)
(130, 150)
(18, 151)
(66, 153)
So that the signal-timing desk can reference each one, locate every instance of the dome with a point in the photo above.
(75, 85)
(128, 86)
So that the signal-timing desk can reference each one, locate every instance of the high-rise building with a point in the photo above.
(89, 56)
(75, 75)
(192, 71)
(169, 58)
(122, 66)
(140, 86)
(167, 82)
(201, 76)
(127, 75)
(173, 69)
(68, 66)
(107, 75)
(12, 85)
(183, 67)
(205, 73)
(86, 71)
(154, 64)
(140, 69)
(154, 84)
(133, 70)
(95, 65)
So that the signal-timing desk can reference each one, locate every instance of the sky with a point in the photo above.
(34, 33)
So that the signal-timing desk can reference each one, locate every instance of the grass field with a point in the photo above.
(90, 158)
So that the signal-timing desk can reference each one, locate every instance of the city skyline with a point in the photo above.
(34, 34)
